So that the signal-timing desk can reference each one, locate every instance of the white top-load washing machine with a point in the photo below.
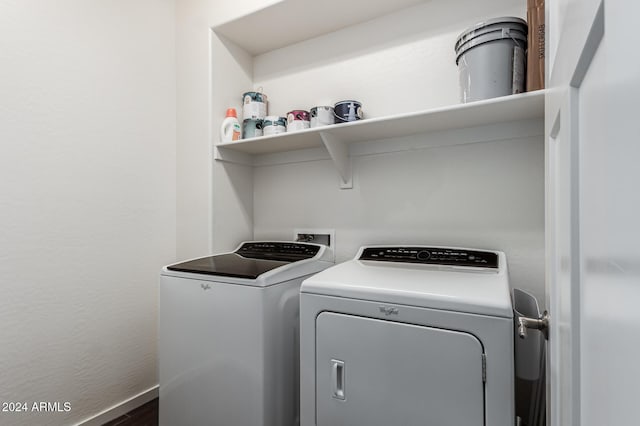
(228, 335)
(408, 335)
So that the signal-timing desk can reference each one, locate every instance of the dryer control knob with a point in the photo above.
(423, 255)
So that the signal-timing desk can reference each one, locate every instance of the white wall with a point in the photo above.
(193, 150)
(401, 62)
(202, 228)
(483, 195)
(87, 206)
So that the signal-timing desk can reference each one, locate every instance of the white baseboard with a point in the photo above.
(122, 408)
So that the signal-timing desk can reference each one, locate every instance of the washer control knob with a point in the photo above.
(423, 255)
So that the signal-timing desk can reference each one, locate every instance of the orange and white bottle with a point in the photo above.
(230, 129)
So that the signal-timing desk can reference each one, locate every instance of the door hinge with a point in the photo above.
(484, 368)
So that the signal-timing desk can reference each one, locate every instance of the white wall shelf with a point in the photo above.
(337, 137)
(287, 22)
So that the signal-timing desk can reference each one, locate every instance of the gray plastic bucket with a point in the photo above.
(491, 59)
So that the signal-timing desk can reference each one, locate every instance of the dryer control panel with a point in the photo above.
(432, 256)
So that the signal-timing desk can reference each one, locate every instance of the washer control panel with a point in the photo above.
(432, 256)
(278, 250)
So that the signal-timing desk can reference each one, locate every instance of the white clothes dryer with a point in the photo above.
(228, 335)
(408, 335)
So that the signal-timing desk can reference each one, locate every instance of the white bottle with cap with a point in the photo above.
(230, 129)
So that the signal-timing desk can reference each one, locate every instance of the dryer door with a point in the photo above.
(379, 373)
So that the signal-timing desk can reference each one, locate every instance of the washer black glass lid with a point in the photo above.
(250, 261)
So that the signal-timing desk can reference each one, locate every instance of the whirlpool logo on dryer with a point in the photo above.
(389, 310)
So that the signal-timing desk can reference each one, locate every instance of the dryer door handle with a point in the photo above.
(337, 379)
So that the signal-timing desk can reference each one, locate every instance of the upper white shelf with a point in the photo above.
(491, 111)
(287, 22)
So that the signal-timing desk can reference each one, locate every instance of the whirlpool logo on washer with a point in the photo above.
(389, 310)
(205, 286)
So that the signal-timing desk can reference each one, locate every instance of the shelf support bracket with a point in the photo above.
(339, 152)
(230, 156)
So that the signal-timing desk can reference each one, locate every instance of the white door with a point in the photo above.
(593, 206)
(379, 373)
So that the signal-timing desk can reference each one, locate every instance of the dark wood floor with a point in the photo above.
(146, 415)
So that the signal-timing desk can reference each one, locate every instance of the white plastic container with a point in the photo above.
(230, 129)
